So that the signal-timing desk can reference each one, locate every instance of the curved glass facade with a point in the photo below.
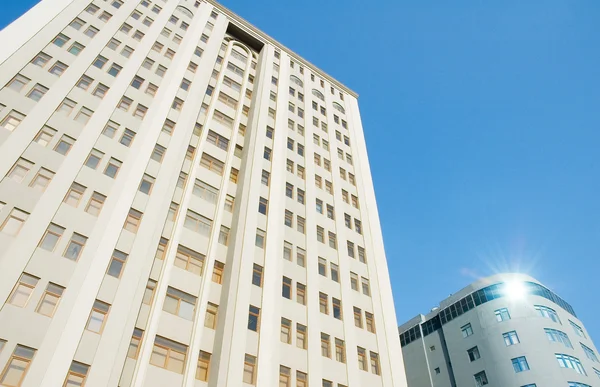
(475, 299)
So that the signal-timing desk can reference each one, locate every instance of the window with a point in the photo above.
(197, 223)
(132, 223)
(149, 292)
(571, 384)
(467, 330)
(100, 91)
(473, 354)
(354, 281)
(77, 374)
(320, 234)
(325, 345)
(224, 235)
(180, 304)
(117, 262)
(162, 247)
(17, 366)
(546, 312)
(502, 314)
(94, 159)
(480, 379)
(589, 353)
(20, 170)
(45, 135)
(510, 338)
(265, 177)
(51, 237)
(218, 269)
(370, 322)
(37, 92)
(212, 164)
(337, 308)
(168, 354)
(95, 204)
(375, 367)
(158, 153)
(286, 331)
(286, 288)
(127, 137)
(75, 247)
(98, 317)
(366, 289)
(520, 364)
(23, 290)
(249, 369)
(112, 168)
(558, 337)
(263, 205)
(189, 260)
(134, 344)
(202, 370)
(212, 310)
(322, 266)
(362, 359)
(257, 274)
(301, 293)
(362, 257)
(205, 191)
(14, 222)
(323, 303)
(578, 330)
(50, 299)
(566, 361)
(217, 140)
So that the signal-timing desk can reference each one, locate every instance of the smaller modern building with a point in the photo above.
(501, 331)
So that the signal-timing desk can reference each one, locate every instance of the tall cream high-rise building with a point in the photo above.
(183, 202)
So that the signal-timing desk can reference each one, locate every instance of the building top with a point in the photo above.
(257, 33)
(480, 292)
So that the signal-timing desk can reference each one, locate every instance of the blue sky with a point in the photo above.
(482, 121)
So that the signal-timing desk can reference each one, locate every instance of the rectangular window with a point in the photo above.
(566, 361)
(41, 180)
(589, 353)
(218, 269)
(202, 370)
(467, 330)
(286, 331)
(502, 314)
(134, 218)
(180, 304)
(17, 366)
(14, 222)
(301, 293)
(473, 354)
(205, 191)
(286, 288)
(189, 260)
(520, 364)
(354, 281)
(98, 317)
(77, 374)
(370, 322)
(75, 247)
(325, 345)
(263, 205)
(249, 369)
(117, 262)
(212, 164)
(168, 354)
(197, 223)
(257, 275)
(323, 303)
(23, 290)
(578, 330)
(50, 299)
(558, 336)
(51, 237)
(301, 336)
(337, 308)
(149, 292)
(511, 338)
(134, 344)
(95, 204)
(362, 359)
(210, 321)
(112, 168)
(224, 235)
(480, 379)
(37, 92)
(366, 288)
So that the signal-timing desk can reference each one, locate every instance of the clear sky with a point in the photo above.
(482, 121)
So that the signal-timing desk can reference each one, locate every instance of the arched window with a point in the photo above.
(297, 80)
(318, 94)
(185, 11)
(339, 107)
(240, 52)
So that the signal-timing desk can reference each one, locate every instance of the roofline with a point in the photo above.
(251, 29)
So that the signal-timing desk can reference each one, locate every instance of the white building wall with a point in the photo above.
(215, 31)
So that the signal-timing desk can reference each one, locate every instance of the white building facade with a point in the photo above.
(183, 202)
(504, 330)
